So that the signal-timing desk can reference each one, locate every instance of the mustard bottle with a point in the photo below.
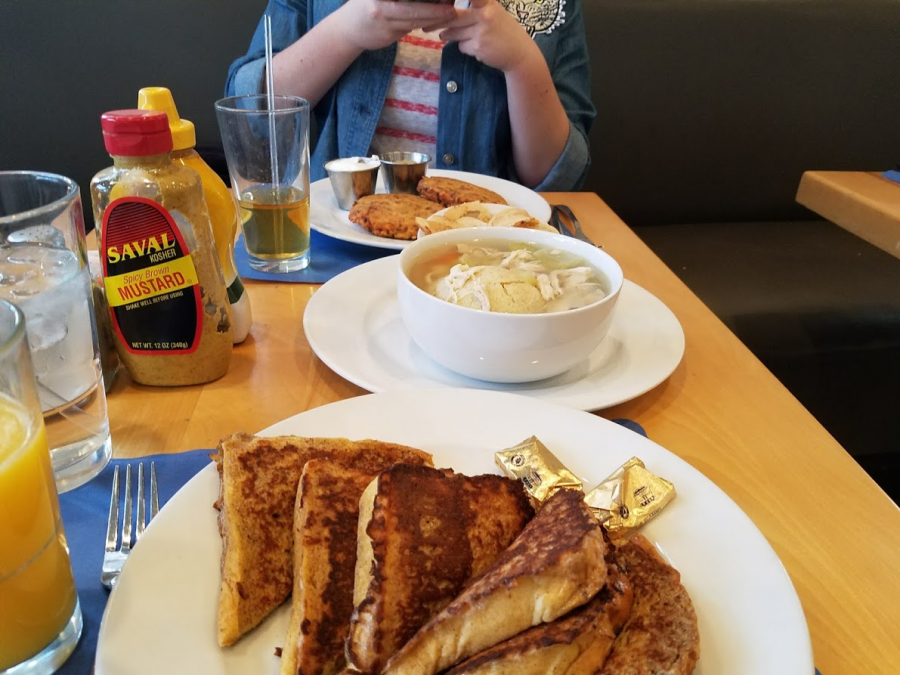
(164, 288)
(219, 199)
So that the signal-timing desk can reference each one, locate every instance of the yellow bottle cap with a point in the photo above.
(160, 98)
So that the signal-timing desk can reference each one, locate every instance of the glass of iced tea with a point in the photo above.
(267, 150)
(40, 618)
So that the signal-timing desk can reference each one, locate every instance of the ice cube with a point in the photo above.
(22, 293)
(25, 255)
(15, 275)
(39, 234)
(45, 331)
(58, 264)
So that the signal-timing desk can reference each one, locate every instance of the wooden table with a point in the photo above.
(863, 203)
(836, 532)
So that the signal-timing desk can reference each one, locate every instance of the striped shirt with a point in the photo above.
(409, 117)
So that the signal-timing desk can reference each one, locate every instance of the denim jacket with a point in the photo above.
(473, 118)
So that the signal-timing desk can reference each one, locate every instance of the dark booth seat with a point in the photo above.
(709, 111)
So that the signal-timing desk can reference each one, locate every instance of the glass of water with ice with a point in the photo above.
(44, 271)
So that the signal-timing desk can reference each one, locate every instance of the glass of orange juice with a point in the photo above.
(40, 618)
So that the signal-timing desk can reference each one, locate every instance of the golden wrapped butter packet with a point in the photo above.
(540, 471)
(630, 497)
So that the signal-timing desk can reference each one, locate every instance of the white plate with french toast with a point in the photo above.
(326, 217)
(162, 614)
(353, 325)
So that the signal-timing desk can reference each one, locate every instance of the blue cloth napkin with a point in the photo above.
(85, 511)
(630, 424)
(892, 174)
(328, 258)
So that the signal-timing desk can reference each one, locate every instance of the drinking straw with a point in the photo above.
(270, 100)
(278, 223)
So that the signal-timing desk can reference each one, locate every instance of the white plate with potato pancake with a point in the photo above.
(353, 324)
(161, 616)
(327, 218)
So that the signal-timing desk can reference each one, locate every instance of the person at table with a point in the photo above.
(501, 87)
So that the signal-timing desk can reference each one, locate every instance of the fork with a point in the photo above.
(114, 557)
(556, 209)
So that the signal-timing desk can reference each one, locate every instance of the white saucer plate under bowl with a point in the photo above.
(353, 325)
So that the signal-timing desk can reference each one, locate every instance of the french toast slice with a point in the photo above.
(575, 644)
(258, 487)
(661, 634)
(423, 534)
(325, 521)
(555, 565)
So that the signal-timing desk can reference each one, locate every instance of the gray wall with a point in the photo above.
(65, 62)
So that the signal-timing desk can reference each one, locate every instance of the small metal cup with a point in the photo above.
(352, 178)
(402, 171)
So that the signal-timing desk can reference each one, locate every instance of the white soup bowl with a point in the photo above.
(498, 347)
